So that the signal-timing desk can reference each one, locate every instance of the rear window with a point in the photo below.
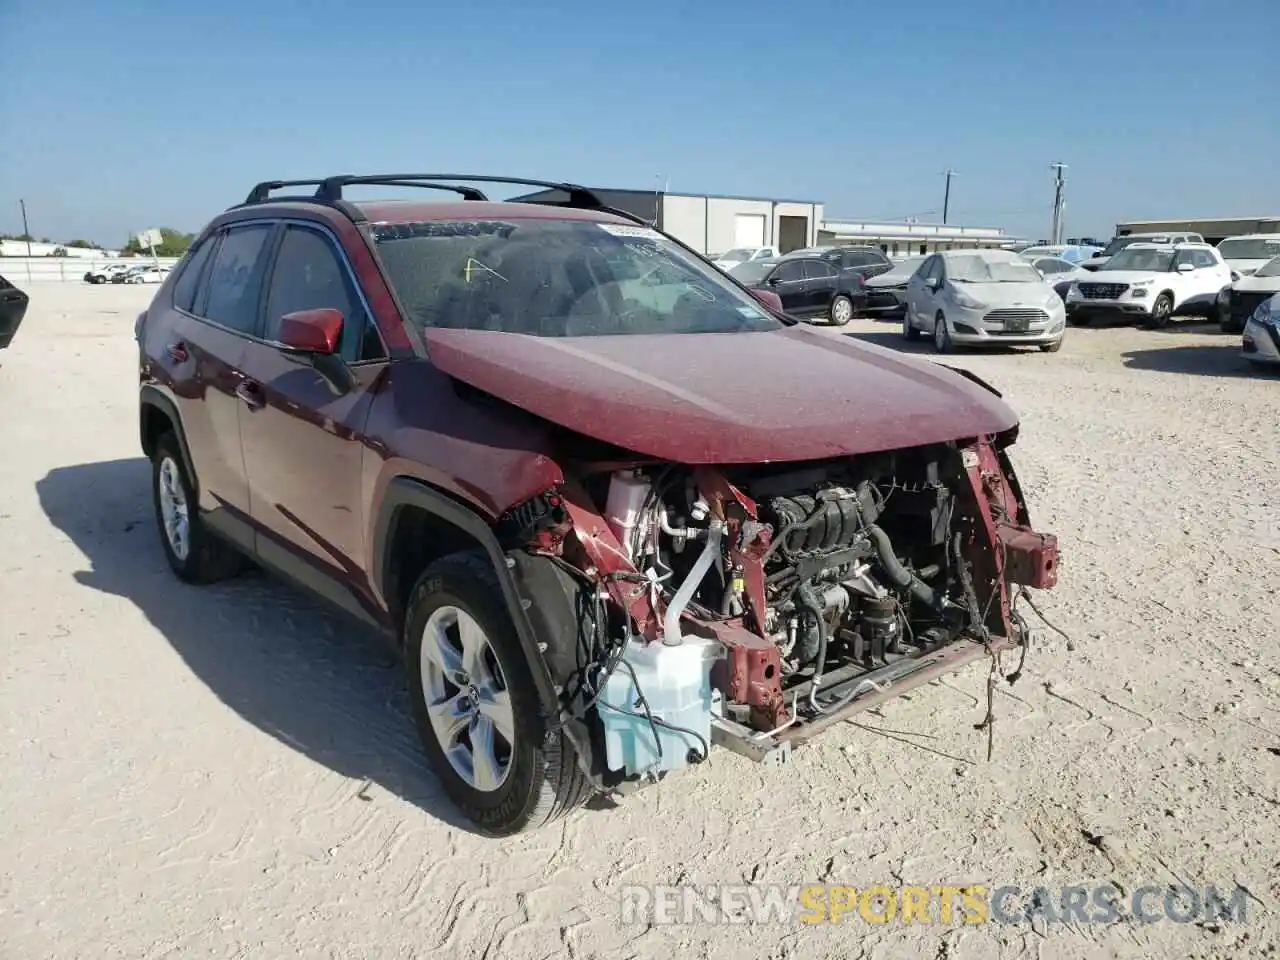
(559, 278)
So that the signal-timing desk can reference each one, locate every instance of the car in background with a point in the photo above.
(1119, 243)
(106, 273)
(887, 292)
(1072, 253)
(153, 274)
(1248, 293)
(125, 275)
(731, 258)
(13, 307)
(865, 261)
(808, 286)
(1152, 282)
(1246, 254)
(1058, 272)
(1261, 341)
(983, 297)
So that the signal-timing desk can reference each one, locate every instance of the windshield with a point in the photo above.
(559, 278)
(1119, 243)
(752, 272)
(1258, 249)
(738, 253)
(983, 270)
(1271, 269)
(1152, 261)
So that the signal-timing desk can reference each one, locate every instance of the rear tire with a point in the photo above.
(909, 331)
(513, 776)
(841, 311)
(194, 554)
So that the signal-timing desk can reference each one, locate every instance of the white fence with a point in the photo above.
(25, 270)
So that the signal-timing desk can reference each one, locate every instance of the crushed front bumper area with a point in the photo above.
(873, 688)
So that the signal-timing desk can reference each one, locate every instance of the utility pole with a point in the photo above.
(1059, 200)
(946, 197)
(26, 231)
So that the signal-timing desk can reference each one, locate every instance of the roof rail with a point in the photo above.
(330, 189)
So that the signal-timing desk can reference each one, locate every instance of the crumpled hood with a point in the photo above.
(1252, 284)
(789, 394)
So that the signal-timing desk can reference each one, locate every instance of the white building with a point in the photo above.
(905, 239)
(713, 224)
(18, 248)
(1213, 230)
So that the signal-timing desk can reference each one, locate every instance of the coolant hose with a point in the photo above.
(899, 575)
(810, 603)
(671, 636)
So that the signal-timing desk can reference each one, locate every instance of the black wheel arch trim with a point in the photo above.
(150, 396)
(407, 491)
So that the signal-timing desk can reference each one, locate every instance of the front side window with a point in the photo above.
(559, 278)
(1202, 259)
(818, 270)
(789, 271)
(235, 278)
(308, 275)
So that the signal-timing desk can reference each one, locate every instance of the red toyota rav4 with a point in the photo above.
(614, 507)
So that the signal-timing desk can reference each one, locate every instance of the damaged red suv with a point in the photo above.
(615, 509)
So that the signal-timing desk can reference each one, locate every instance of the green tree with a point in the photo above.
(84, 245)
(173, 244)
(59, 252)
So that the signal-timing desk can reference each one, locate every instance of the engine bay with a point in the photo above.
(743, 603)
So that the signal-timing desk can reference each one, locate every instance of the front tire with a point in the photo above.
(1161, 312)
(1052, 347)
(476, 706)
(841, 310)
(194, 554)
(942, 341)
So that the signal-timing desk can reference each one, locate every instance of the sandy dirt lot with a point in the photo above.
(231, 772)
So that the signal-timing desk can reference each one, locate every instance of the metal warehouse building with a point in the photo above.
(714, 224)
(1214, 231)
(906, 239)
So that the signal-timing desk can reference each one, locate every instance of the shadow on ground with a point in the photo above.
(325, 686)
(1213, 360)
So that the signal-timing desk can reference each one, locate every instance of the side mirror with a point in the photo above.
(313, 335)
(769, 299)
(1185, 268)
(310, 331)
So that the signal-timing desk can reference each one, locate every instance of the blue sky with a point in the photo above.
(134, 113)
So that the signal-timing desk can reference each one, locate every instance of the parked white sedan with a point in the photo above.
(148, 275)
(987, 297)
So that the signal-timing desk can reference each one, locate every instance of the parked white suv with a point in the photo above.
(1152, 282)
(1246, 254)
(1099, 261)
(104, 274)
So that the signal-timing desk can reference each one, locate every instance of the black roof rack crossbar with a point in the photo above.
(259, 193)
(330, 190)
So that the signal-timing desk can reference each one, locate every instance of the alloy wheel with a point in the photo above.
(467, 699)
(173, 509)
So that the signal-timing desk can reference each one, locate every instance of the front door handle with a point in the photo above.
(251, 394)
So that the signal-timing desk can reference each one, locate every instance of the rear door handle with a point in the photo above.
(178, 352)
(251, 394)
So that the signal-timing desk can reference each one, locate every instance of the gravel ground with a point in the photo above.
(230, 771)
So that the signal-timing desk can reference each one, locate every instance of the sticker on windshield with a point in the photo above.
(622, 230)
